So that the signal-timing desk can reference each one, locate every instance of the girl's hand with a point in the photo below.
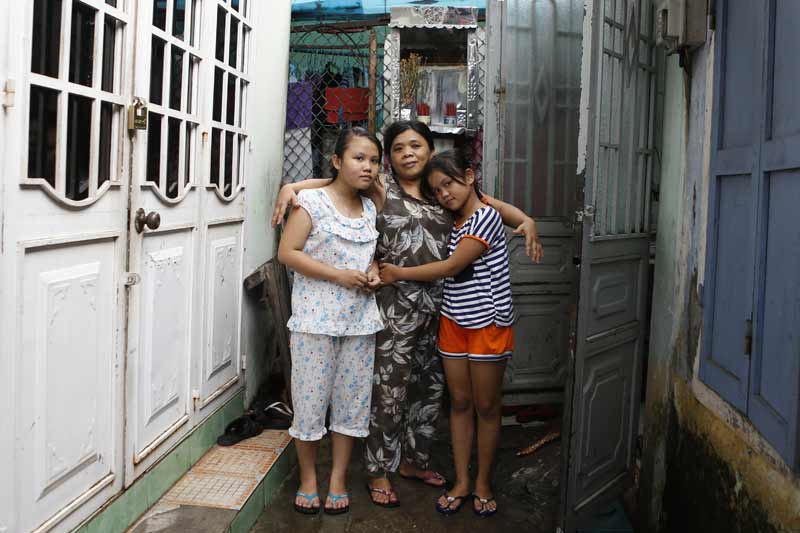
(533, 247)
(286, 198)
(373, 278)
(389, 273)
(352, 279)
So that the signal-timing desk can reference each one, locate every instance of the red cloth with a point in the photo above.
(351, 102)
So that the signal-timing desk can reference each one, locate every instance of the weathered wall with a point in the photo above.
(705, 468)
(266, 120)
(6, 388)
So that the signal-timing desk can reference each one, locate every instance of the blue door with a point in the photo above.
(751, 353)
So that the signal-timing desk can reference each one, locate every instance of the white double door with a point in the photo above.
(116, 340)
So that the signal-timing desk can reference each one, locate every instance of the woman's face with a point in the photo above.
(409, 154)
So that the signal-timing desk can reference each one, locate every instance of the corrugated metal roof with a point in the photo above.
(371, 7)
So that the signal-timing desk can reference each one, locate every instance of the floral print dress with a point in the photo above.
(408, 383)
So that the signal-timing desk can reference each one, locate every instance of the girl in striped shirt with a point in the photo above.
(475, 333)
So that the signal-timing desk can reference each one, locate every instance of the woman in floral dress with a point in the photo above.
(408, 378)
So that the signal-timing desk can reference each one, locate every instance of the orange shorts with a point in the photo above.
(489, 343)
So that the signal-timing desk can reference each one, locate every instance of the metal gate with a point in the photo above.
(616, 137)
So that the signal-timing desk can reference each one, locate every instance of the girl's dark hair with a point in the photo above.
(345, 136)
(452, 164)
(396, 128)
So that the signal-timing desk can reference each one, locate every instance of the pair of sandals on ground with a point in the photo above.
(447, 504)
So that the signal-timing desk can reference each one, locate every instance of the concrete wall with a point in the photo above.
(705, 467)
(267, 112)
(6, 388)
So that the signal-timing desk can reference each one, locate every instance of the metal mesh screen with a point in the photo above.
(329, 75)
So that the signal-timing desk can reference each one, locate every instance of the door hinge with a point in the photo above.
(132, 278)
(195, 397)
(748, 337)
(10, 89)
(244, 361)
(586, 212)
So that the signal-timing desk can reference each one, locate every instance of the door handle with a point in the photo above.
(152, 220)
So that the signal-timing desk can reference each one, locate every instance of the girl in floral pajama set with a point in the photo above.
(330, 244)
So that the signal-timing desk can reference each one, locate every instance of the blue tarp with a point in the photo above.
(369, 7)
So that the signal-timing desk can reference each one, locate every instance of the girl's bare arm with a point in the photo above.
(287, 196)
(467, 251)
(524, 225)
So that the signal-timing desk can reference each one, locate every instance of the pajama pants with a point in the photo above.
(407, 390)
(331, 371)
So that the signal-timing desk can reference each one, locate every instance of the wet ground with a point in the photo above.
(526, 488)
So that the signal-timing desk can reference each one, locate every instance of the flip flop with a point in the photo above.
(335, 498)
(484, 512)
(427, 479)
(448, 509)
(314, 509)
(238, 430)
(387, 493)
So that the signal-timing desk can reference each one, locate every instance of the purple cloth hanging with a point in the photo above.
(298, 105)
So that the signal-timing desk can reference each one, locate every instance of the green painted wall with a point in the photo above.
(129, 505)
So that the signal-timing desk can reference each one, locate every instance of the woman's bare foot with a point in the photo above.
(429, 477)
(460, 490)
(386, 494)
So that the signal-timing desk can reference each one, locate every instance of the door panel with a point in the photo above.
(223, 302)
(162, 304)
(68, 321)
(529, 160)
(775, 369)
(602, 411)
(185, 328)
(164, 318)
(733, 189)
(63, 258)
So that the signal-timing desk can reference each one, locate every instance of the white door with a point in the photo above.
(92, 309)
(187, 194)
(64, 254)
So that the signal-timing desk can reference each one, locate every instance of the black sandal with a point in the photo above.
(449, 509)
(238, 430)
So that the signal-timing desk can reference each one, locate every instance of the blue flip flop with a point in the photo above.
(335, 498)
(314, 509)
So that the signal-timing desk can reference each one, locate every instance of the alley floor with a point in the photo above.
(526, 488)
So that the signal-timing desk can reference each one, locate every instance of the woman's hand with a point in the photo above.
(286, 198)
(389, 273)
(533, 247)
(373, 278)
(352, 279)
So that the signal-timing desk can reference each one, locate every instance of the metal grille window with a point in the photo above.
(75, 102)
(174, 79)
(329, 78)
(230, 86)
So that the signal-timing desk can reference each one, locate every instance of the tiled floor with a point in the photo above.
(225, 477)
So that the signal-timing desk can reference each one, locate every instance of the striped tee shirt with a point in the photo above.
(480, 294)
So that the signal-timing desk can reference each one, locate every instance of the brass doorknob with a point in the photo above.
(152, 220)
